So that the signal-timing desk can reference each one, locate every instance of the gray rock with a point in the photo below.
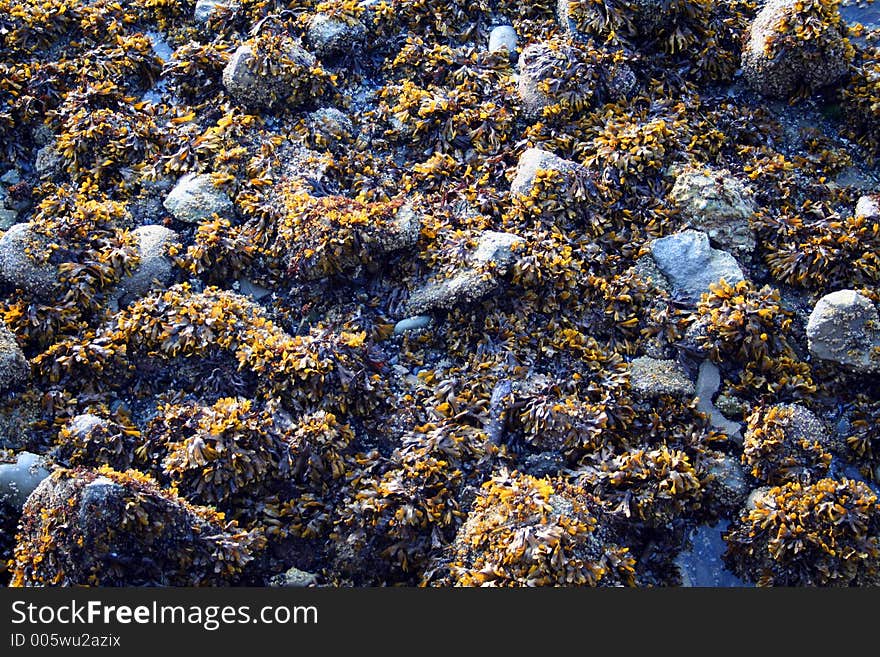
(8, 218)
(18, 480)
(14, 368)
(294, 577)
(650, 378)
(729, 485)
(205, 8)
(331, 35)
(503, 37)
(253, 90)
(844, 328)
(718, 204)
(814, 63)
(691, 265)
(195, 198)
(16, 266)
(497, 248)
(708, 382)
(49, 162)
(251, 289)
(11, 177)
(331, 124)
(535, 159)
(412, 324)
(868, 206)
(154, 267)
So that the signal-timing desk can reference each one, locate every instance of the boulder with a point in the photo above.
(844, 328)
(651, 378)
(691, 265)
(154, 267)
(334, 35)
(503, 37)
(196, 198)
(18, 248)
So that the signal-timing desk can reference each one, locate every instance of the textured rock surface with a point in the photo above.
(719, 205)
(650, 377)
(247, 86)
(691, 265)
(18, 268)
(154, 267)
(14, 368)
(503, 37)
(534, 160)
(196, 198)
(844, 328)
(329, 35)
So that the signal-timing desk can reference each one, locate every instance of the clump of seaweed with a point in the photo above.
(821, 534)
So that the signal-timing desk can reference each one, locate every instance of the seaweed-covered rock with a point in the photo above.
(844, 328)
(795, 44)
(718, 204)
(650, 377)
(195, 198)
(823, 534)
(154, 265)
(334, 35)
(108, 528)
(691, 265)
(14, 368)
(524, 531)
(22, 251)
(205, 8)
(535, 161)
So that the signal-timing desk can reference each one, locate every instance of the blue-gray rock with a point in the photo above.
(708, 382)
(503, 37)
(691, 265)
(196, 198)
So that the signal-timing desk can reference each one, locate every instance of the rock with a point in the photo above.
(121, 529)
(646, 15)
(334, 35)
(154, 267)
(205, 8)
(474, 280)
(18, 480)
(331, 125)
(844, 328)
(294, 577)
(708, 382)
(10, 178)
(49, 162)
(251, 289)
(245, 84)
(534, 160)
(8, 218)
(16, 266)
(14, 367)
(728, 486)
(412, 324)
(543, 61)
(691, 265)
(718, 204)
(503, 37)
(868, 206)
(654, 378)
(195, 198)
(776, 61)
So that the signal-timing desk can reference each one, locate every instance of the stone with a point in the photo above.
(8, 218)
(19, 479)
(651, 378)
(868, 206)
(718, 204)
(332, 125)
(252, 290)
(708, 382)
(333, 35)
(154, 269)
(295, 578)
(778, 71)
(535, 159)
(412, 324)
(14, 367)
(16, 265)
(205, 8)
(691, 265)
(844, 328)
(195, 198)
(255, 91)
(503, 37)
(11, 177)
(49, 161)
(497, 248)
(729, 485)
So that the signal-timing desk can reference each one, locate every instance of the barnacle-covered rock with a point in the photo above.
(23, 254)
(650, 377)
(844, 328)
(335, 35)
(534, 163)
(330, 127)
(154, 264)
(477, 277)
(727, 485)
(786, 443)
(195, 198)
(524, 531)
(796, 44)
(868, 206)
(14, 368)
(691, 265)
(108, 528)
(49, 162)
(273, 71)
(718, 204)
(822, 534)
